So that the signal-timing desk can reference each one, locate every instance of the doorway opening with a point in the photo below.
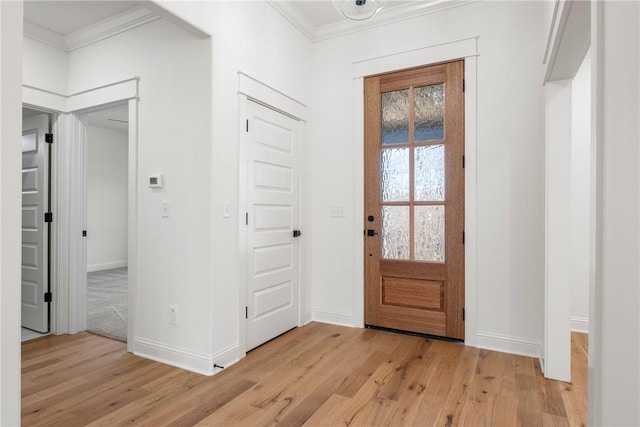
(36, 224)
(272, 221)
(106, 227)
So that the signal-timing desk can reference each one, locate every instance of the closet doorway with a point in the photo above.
(107, 147)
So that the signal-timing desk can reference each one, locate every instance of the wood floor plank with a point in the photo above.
(330, 413)
(316, 375)
(461, 380)
(529, 400)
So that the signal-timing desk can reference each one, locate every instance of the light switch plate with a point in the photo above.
(336, 211)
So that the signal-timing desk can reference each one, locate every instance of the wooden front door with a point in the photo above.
(414, 200)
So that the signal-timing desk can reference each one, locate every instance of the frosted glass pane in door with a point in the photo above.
(395, 117)
(30, 142)
(395, 232)
(395, 174)
(429, 173)
(429, 233)
(429, 112)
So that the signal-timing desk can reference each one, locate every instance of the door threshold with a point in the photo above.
(415, 334)
(30, 334)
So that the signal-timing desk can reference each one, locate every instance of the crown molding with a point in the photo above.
(101, 30)
(295, 17)
(43, 35)
(386, 16)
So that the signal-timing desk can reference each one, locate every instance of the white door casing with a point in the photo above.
(35, 231)
(273, 278)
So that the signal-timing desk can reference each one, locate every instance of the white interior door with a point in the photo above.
(273, 259)
(35, 195)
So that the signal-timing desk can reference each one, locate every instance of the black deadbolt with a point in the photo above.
(370, 218)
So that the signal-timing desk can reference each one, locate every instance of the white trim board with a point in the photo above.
(580, 324)
(508, 344)
(107, 94)
(466, 49)
(106, 266)
(335, 318)
(265, 95)
(201, 363)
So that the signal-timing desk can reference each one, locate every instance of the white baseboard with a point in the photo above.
(199, 363)
(580, 324)
(106, 266)
(335, 318)
(508, 344)
(306, 317)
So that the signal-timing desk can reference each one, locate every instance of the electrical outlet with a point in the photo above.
(173, 314)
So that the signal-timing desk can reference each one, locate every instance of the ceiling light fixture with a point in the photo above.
(358, 10)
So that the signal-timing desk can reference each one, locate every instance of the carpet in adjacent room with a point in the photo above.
(107, 303)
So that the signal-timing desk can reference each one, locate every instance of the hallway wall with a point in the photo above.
(510, 164)
(107, 192)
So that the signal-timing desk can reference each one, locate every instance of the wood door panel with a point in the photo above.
(416, 77)
(414, 270)
(413, 320)
(423, 290)
(420, 294)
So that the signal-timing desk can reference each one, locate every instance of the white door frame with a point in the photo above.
(568, 42)
(68, 266)
(253, 90)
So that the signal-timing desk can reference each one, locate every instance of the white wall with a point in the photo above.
(188, 131)
(174, 135)
(510, 163)
(580, 195)
(107, 163)
(44, 66)
(614, 335)
(253, 38)
(10, 219)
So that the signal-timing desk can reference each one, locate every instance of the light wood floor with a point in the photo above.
(315, 375)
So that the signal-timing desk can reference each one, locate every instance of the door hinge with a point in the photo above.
(84, 233)
(463, 160)
(247, 125)
(463, 237)
(463, 85)
(246, 312)
(48, 138)
(463, 315)
(297, 233)
(47, 297)
(246, 218)
(48, 217)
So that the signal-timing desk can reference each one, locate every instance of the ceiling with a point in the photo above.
(116, 118)
(321, 13)
(76, 23)
(64, 17)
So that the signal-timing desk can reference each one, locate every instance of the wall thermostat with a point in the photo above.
(155, 181)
